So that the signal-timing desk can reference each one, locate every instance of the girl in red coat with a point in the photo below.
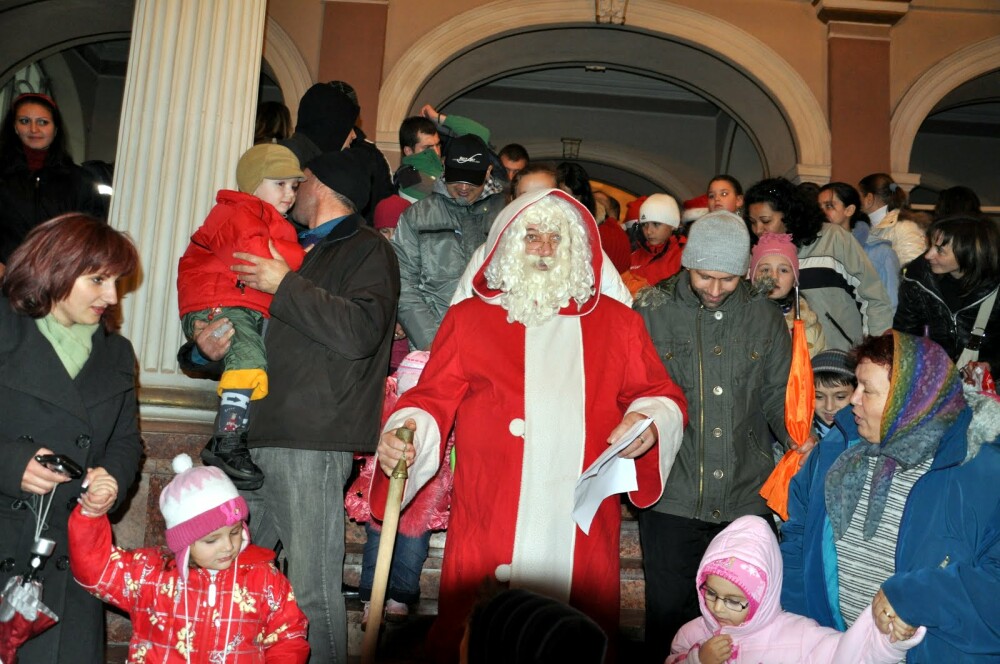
(249, 220)
(658, 256)
(216, 598)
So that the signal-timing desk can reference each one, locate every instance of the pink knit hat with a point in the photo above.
(751, 579)
(774, 244)
(195, 503)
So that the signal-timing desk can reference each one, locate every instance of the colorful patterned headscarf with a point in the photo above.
(925, 398)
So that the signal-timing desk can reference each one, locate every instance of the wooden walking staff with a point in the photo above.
(390, 523)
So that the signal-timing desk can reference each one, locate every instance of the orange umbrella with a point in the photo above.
(800, 402)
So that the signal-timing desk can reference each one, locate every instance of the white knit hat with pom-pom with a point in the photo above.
(198, 501)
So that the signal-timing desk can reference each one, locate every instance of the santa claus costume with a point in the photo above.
(532, 408)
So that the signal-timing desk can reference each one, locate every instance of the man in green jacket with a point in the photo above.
(729, 349)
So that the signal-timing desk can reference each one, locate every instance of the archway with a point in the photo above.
(797, 136)
(931, 88)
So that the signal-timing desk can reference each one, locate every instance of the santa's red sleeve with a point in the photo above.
(432, 404)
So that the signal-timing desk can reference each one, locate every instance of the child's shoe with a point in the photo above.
(229, 452)
(365, 614)
(396, 611)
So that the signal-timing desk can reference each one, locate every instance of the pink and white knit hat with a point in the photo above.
(195, 503)
(751, 579)
(410, 369)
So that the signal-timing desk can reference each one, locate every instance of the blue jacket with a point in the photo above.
(947, 555)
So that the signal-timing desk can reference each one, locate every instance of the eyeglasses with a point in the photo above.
(537, 240)
(711, 597)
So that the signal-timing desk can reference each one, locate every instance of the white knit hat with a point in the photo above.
(662, 209)
(195, 503)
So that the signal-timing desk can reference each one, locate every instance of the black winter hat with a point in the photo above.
(346, 172)
(522, 627)
(326, 117)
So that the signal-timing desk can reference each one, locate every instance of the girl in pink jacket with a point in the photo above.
(739, 586)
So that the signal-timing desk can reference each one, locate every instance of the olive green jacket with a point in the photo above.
(732, 363)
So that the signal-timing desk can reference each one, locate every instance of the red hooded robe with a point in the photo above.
(532, 408)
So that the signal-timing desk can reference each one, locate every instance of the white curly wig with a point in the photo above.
(533, 296)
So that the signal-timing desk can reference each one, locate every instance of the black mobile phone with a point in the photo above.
(61, 464)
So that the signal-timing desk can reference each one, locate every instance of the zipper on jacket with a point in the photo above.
(701, 415)
(839, 328)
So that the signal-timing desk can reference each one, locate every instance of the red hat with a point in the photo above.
(695, 208)
(632, 211)
(388, 210)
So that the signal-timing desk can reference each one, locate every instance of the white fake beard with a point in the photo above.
(537, 295)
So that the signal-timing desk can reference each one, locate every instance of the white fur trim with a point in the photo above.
(555, 438)
(426, 440)
(669, 423)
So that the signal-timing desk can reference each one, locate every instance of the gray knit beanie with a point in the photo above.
(718, 242)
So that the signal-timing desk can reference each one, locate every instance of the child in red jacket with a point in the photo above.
(248, 220)
(215, 598)
(658, 255)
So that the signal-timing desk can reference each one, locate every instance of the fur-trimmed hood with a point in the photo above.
(507, 217)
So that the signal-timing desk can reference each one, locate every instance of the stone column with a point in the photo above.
(187, 116)
(858, 83)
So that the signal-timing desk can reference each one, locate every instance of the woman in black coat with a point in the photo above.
(67, 386)
(941, 291)
(38, 179)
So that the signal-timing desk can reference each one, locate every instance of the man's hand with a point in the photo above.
(213, 339)
(716, 650)
(38, 479)
(432, 114)
(263, 274)
(101, 492)
(640, 445)
(391, 449)
(887, 621)
(805, 447)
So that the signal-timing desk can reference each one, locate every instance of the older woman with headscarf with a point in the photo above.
(899, 506)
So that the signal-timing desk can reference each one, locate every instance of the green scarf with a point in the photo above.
(72, 344)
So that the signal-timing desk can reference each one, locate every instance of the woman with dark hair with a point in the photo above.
(882, 199)
(273, 124)
(898, 506)
(943, 290)
(573, 179)
(38, 179)
(67, 387)
(836, 276)
(841, 204)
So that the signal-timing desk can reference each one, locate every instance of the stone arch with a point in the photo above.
(288, 66)
(911, 111)
(803, 113)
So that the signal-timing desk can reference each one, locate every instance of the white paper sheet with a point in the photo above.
(609, 474)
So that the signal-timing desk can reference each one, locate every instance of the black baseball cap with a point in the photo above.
(466, 160)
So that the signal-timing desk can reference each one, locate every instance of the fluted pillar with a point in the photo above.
(187, 116)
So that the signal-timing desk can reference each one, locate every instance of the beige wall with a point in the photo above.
(303, 21)
(924, 37)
